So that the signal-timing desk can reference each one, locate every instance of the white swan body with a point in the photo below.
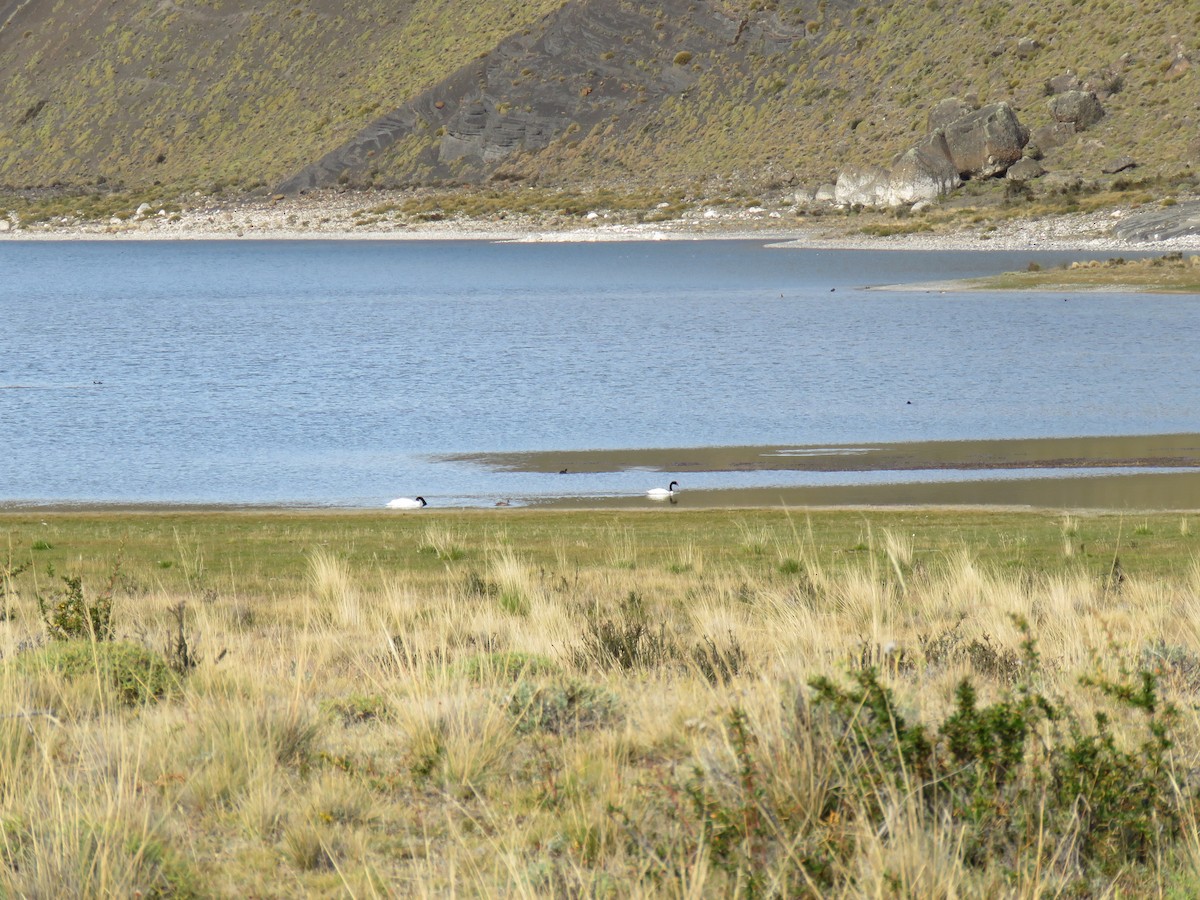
(663, 493)
(407, 503)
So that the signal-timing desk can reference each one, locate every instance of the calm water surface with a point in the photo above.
(333, 373)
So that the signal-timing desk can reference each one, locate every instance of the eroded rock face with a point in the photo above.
(1080, 108)
(985, 142)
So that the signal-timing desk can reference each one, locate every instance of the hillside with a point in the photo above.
(698, 95)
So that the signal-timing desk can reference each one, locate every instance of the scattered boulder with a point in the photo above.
(1025, 169)
(1120, 164)
(1027, 47)
(5, 225)
(1080, 108)
(1056, 134)
(946, 111)
(985, 142)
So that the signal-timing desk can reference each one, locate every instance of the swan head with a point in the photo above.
(672, 485)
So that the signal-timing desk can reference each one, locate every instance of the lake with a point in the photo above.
(344, 373)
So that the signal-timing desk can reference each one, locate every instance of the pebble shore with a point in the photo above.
(347, 216)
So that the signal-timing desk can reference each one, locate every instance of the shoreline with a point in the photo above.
(332, 216)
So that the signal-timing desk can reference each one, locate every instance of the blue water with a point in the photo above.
(333, 373)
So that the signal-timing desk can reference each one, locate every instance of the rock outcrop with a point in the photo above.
(1160, 224)
(963, 143)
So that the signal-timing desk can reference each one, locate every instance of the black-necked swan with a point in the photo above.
(407, 503)
(663, 493)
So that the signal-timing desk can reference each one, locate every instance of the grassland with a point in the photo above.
(665, 703)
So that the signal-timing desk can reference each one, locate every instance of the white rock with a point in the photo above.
(662, 206)
(4, 225)
(592, 216)
(114, 221)
(711, 213)
(143, 209)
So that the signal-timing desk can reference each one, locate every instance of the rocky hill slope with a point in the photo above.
(701, 95)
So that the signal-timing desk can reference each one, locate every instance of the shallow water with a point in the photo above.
(342, 373)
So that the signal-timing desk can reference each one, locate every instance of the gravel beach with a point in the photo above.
(350, 215)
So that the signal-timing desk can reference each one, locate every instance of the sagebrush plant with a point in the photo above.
(955, 710)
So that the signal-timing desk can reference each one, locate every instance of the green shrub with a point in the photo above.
(69, 616)
(625, 641)
(135, 674)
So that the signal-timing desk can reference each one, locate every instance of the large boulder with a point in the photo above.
(923, 173)
(985, 142)
(946, 111)
(861, 186)
(1080, 108)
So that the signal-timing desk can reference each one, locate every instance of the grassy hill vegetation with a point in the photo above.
(705, 96)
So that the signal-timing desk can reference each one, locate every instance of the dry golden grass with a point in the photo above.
(471, 728)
